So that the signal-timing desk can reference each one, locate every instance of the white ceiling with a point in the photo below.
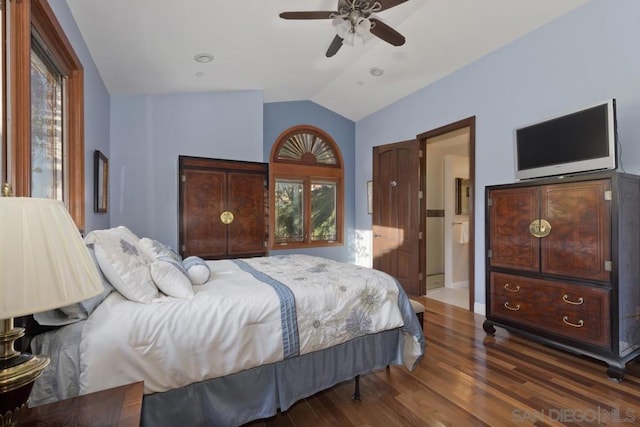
(148, 46)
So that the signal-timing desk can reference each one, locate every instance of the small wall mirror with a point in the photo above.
(462, 196)
(101, 181)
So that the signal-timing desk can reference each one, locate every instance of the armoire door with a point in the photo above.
(510, 212)
(579, 244)
(202, 232)
(247, 201)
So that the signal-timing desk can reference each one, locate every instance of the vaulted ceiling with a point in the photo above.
(148, 47)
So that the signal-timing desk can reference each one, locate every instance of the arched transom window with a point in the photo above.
(306, 189)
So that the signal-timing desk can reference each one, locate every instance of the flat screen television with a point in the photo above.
(577, 142)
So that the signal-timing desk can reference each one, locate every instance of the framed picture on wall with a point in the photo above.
(101, 181)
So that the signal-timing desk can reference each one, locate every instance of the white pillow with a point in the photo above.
(154, 250)
(171, 278)
(123, 264)
(197, 270)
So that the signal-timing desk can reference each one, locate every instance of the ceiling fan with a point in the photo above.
(354, 18)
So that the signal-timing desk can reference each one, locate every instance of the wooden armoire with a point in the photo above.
(563, 264)
(223, 208)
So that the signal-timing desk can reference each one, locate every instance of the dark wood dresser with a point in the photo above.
(118, 406)
(563, 264)
(223, 208)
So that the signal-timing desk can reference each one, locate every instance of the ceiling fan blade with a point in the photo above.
(308, 15)
(386, 33)
(336, 44)
(388, 4)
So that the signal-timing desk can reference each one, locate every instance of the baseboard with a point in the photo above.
(480, 308)
(458, 285)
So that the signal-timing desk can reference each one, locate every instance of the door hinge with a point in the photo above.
(489, 253)
(184, 248)
(265, 184)
(420, 235)
(608, 195)
(608, 266)
(420, 276)
(183, 178)
(265, 243)
(421, 153)
(420, 195)
(489, 202)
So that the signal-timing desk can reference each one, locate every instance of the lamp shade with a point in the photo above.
(44, 263)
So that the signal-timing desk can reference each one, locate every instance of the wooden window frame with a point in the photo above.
(308, 173)
(25, 16)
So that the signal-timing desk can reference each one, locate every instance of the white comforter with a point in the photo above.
(234, 322)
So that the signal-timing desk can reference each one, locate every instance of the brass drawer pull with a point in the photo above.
(566, 299)
(580, 323)
(508, 287)
(508, 307)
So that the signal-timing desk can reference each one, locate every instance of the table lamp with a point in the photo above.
(44, 264)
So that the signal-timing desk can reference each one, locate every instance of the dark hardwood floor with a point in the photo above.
(468, 379)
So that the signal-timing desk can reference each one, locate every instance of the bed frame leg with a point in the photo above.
(356, 393)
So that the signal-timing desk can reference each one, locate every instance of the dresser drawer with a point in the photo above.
(571, 310)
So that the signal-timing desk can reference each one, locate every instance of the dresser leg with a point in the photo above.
(616, 373)
(488, 328)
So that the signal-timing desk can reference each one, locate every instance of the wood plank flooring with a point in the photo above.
(468, 379)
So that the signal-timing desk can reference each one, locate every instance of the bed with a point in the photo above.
(236, 341)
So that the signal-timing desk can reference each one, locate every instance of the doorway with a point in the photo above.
(448, 247)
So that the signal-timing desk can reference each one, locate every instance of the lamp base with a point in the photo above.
(17, 374)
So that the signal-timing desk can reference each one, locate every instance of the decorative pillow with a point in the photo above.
(123, 264)
(197, 270)
(171, 278)
(154, 250)
(80, 310)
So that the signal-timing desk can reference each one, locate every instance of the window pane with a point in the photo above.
(46, 130)
(323, 211)
(289, 220)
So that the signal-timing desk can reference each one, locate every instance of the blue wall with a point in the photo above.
(278, 117)
(582, 58)
(96, 111)
(148, 133)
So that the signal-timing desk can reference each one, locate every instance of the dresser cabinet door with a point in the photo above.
(511, 244)
(579, 244)
(246, 199)
(203, 234)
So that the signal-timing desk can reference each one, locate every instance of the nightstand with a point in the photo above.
(118, 406)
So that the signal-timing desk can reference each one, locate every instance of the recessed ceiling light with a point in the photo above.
(376, 72)
(199, 74)
(203, 58)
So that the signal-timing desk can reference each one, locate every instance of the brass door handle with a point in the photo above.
(226, 217)
(540, 228)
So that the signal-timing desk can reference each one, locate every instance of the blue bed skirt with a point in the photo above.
(258, 393)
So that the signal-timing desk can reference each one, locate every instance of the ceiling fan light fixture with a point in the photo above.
(363, 30)
(350, 39)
